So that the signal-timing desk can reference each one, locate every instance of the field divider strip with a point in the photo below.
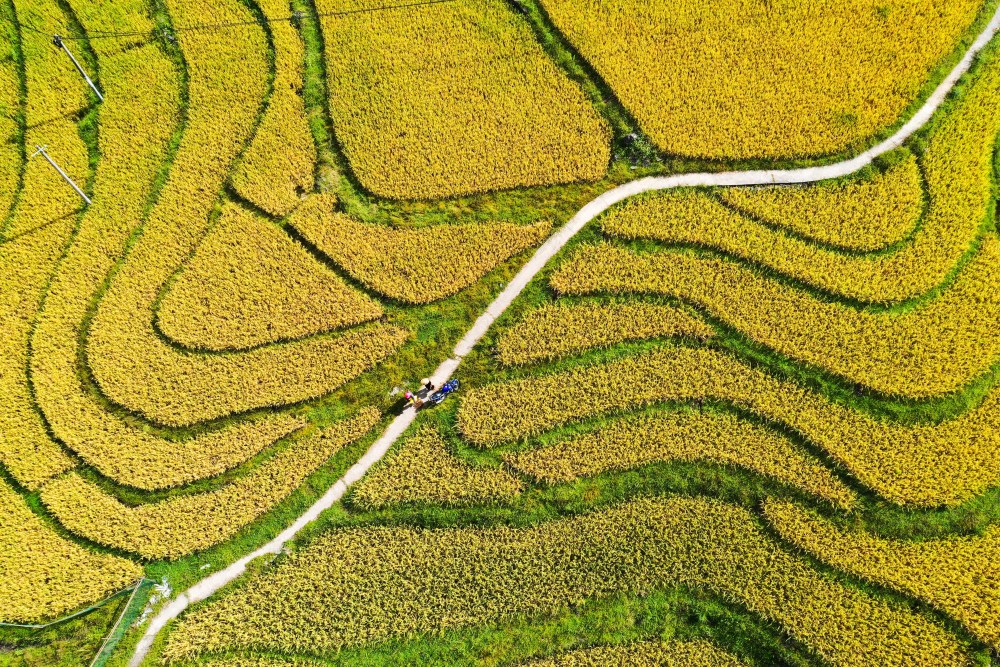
(538, 261)
(75, 614)
(114, 628)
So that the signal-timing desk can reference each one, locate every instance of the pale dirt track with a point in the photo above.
(545, 252)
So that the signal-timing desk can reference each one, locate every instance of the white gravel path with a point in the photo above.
(545, 252)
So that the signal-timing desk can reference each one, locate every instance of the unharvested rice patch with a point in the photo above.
(55, 93)
(131, 364)
(40, 227)
(43, 575)
(26, 450)
(686, 436)
(937, 347)
(413, 265)
(277, 168)
(11, 163)
(437, 101)
(424, 471)
(928, 465)
(373, 584)
(554, 331)
(178, 526)
(861, 215)
(249, 284)
(958, 165)
(957, 574)
(131, 154)
(753, 79)
(696, 653)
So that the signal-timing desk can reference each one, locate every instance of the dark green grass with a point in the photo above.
(70, 644)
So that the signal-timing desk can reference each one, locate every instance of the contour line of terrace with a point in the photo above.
(215, 581)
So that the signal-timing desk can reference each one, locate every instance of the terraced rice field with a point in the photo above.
(685, 71)
(718, 426)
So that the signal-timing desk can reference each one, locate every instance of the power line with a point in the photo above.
(297, 16)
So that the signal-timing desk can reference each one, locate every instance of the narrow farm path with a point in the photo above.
(545, 252)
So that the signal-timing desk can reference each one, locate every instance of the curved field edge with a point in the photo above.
(488, 575)
(690, 615)
(641, 151)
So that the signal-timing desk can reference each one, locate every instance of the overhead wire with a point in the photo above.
(100, 34)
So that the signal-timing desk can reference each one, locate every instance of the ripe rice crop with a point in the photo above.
(131, 17)
(39, 229)
(180, 390)
(45, 575)
(55, 88)
(424, 471)
(685, 436)
(50, 200)
(183, 524)
(131, 154)
(959, 166)
(138, 370)
(133, 367)
(10, 77)
(134, 457)
(693, 653)
(55, 93)
(821, 78)
(957, 574)
(859, 214)
(395, 582)
(277, 167)
(249, 284)
(26, 450)
(697, 653)
(437, 101)
(930, 464)
(400, 263)
(934, 348)
(554, 331)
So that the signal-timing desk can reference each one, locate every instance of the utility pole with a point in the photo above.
(58, 41)
(41, 150)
